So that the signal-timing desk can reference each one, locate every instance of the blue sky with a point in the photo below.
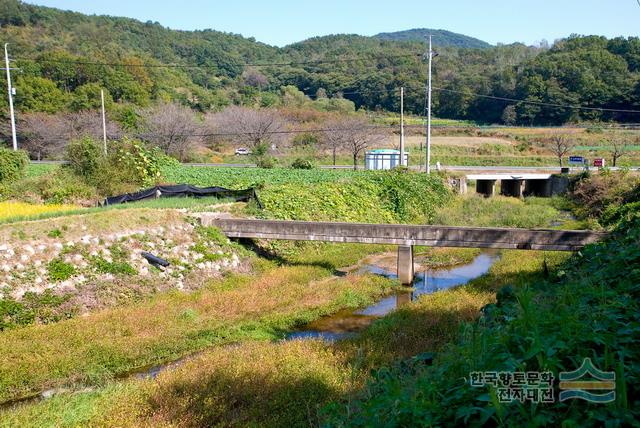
(287, 21)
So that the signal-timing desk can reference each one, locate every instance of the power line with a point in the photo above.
(248, 64)
(232, 134)
(540, 103)
(329, 61)
(277, 132)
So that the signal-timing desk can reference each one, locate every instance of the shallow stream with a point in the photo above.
(347, 323)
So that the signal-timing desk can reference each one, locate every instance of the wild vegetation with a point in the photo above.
(84, 319)
(260, 375)
(587, 308)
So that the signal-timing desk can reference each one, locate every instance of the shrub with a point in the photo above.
(127, 166)
(593, 194)
(267, 162)
(142, 164)
(302, 164)
(305, 139)
(84, 157)
(13, 164)
(60, 187)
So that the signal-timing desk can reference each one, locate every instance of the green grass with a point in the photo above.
(36, 170)
(375, 197)
(283, 383)
(498, 211)
(92, 349)
(241, 178)
(259, 380)
(586, 308)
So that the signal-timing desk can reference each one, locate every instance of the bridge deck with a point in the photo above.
(401, 234)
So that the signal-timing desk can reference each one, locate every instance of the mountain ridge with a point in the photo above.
(440, 37)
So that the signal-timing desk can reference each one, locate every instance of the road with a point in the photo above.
(462, 168)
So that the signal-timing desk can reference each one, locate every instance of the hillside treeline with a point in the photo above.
(66, 58)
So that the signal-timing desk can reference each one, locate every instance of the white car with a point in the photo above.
(242, 151)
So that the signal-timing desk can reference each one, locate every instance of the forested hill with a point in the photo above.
(66, 58)
(439, 37)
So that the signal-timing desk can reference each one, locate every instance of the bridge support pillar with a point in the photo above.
(405, 264)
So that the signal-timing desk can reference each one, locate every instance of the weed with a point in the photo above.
(59, 270)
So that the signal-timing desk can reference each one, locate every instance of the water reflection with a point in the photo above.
(347, 323)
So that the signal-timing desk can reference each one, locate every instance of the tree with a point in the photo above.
(39, 94)
(255, 129)
(559, 145)
(87, 97)
(252, 77)
(619, 147)
(173, 128)
(509, 115)
(354, 134)
(88, 123)
(47, 135)
(44, 134)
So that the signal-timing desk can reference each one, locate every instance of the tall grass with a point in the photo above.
(498, 211)
(270, 383)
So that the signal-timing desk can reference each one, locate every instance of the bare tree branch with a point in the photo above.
(353, 134)
(171, 127)
(559, 145)
(47, 135)
(619, 147)
(252, 128)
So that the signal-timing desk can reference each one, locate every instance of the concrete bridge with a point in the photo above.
(518, 185)
(405, 236)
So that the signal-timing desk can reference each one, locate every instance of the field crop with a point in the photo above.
(20, 209)
(240, 178)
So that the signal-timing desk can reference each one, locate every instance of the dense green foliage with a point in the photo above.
(438, 37)
(42, 307)
(13, 164)
(241, 178)
(367, 196)
(66, 57)
(374, 198)
(59, 270)
(600, 196)
(586, 309)
(127, 165)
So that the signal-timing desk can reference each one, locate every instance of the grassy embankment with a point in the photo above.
(588, 308)
(113, 342)
(227, 384)
(280, 383)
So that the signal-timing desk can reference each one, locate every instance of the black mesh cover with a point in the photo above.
(184, 190)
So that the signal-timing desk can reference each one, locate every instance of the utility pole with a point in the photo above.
(104, 123)
(402, 162)
(10, 90)
(429, 110)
